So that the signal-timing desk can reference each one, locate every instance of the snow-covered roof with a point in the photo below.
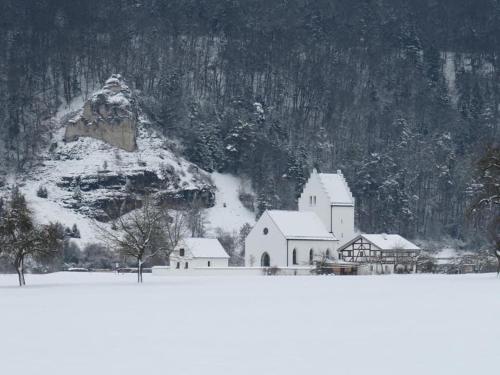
(205, 248)
(300, 225)
(446, 252)
(390, 242)
(336, 188)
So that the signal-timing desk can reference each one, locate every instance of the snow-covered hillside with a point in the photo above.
(229, 214)
(86, 178)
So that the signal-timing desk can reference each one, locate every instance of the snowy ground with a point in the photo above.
(105, 324)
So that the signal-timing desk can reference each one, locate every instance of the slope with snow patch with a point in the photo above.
(229, 214)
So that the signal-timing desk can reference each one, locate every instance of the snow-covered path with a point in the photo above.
(105, 324)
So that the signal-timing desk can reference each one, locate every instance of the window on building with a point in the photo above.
(178, 265)
(181, 252)
(311, 256)
(186, 265)
(327, 254)
(310, 200)
(341, 221)
(314, 200)
(361, 253)
(265, 230)
(294, 256)
(208, 263)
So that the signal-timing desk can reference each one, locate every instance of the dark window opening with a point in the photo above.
(265, 260)
(178, 265)
(181, 252)
(186, 265)
(265, 231)
(294, 256)
(209, 263)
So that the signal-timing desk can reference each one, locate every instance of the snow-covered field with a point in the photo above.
(106, 324)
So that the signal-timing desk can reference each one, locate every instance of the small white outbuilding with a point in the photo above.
(195, 252)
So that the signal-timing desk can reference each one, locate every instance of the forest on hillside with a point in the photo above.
(403, 96)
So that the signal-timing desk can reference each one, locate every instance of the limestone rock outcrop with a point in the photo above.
(110, 115)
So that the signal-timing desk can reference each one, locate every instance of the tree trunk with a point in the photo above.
(498, 262)
(20, 271)
(139, 271)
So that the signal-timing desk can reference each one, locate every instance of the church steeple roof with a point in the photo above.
(336, 188)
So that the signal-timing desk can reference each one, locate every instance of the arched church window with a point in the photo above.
(327, 253)
(294, 256)
(265, 260)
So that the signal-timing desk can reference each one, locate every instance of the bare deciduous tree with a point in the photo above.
(175, 227)
(145, 232)
(135, 233)
(196, 218)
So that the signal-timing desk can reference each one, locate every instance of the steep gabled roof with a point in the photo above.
(385, 242)
(300, 225)
(336, 188)
(205, 247)
(390, 242)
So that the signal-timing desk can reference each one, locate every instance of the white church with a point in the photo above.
(324, 221)
(322, 228)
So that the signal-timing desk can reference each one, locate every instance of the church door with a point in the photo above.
(265, 260)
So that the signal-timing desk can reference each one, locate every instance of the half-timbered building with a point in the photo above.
(381, 253)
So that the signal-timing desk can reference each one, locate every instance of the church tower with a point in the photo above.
(329, 196)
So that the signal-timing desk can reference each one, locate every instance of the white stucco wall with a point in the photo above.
(313, 188)
(199, 262)
(257, 243)
(343, 223)
(303, 248)
(280, 249)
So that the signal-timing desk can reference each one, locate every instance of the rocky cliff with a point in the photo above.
(110, 114)
(106, 156)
